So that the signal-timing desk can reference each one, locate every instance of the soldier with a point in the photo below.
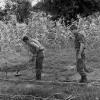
(37, 49)
(80, 53)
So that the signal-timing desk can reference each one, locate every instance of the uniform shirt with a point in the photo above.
(79, 38)
(35, 46)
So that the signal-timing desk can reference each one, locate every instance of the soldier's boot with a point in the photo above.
(83, 79)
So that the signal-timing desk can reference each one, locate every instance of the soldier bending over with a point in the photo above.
(79, 41)
(37, 49)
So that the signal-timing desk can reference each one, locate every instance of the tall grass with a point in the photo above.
(51, 34)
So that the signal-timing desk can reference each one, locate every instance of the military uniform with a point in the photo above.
(80, 63)
(38, 51)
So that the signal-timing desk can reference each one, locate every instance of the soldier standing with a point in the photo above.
(37, 49)
(79, 41)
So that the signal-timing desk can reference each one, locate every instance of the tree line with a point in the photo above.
(67, 10)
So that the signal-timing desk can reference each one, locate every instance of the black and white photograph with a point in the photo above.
(49, 49)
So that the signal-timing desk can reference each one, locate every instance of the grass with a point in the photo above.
(79, 92)
(55, 67)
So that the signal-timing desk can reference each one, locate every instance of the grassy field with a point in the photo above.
(58, 65)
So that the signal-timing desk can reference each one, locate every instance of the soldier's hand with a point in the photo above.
(79, 56)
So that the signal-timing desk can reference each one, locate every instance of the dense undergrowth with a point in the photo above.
(53, 35)
(55, 38)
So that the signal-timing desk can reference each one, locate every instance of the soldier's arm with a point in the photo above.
(82, 44)
(37, 44)
(33, 45)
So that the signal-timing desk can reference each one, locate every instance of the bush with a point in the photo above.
(56, 37)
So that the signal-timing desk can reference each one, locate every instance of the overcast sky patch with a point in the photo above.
(34, 2)
(2, 4)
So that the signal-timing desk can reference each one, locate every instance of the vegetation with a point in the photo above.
(53, 31)
(68, 10)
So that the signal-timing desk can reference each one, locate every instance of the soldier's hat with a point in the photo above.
(25, 38)
(73, 27)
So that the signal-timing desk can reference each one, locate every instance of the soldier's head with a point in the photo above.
(74, 30)
(25, 39)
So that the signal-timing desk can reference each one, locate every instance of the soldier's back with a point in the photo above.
(79, 38)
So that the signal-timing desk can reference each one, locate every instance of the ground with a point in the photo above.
(59, 65)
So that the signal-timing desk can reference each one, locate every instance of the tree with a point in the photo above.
(23, 10)
(19, 8)
(68, 9)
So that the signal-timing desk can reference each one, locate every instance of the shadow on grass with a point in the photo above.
(78, 92)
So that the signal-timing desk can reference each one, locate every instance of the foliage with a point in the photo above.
(20, 8)
(68, 9)
(59, 9)
(23, 10)
(52, 34)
